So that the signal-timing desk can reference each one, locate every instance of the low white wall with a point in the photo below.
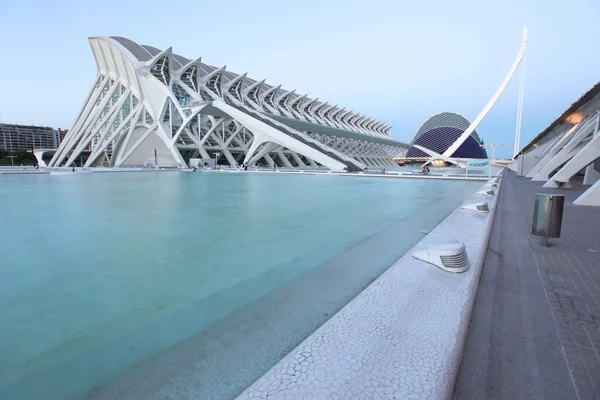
(402, 337)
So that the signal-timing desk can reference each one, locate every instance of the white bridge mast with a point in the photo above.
(465, 135)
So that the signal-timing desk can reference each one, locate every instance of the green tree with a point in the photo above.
(24, 157)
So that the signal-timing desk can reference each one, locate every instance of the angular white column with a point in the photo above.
(568, 151)
(557, 143)
(590, 197)
(273, 135)
(298, 160)
(586, 156)
(284, 159)
(591, 175)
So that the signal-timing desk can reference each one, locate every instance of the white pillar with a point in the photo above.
(517, 148)
(591, 175)
(590, 197)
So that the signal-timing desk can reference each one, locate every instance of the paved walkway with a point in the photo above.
(535, 328)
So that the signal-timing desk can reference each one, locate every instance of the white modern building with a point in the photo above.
(149, 106)
(569, 146)
(441, 131)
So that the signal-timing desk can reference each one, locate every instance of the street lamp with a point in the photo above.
(493, 146)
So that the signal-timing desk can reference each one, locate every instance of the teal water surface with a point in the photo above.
(100, 272)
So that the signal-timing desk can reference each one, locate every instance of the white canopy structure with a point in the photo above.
(149, 107)
(569, 146)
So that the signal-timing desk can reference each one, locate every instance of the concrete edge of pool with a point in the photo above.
(370, 174)
(402, 337)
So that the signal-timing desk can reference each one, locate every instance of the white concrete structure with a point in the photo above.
(39, 156)
(577, 142)
(145, 101)
(569, 146)
(400, 338)
(518, 60)
(470, 131)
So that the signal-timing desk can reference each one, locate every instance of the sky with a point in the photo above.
(399, 61)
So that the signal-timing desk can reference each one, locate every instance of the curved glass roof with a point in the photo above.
(138, 51)
(145, 52)
(446, 119)
(179, 60)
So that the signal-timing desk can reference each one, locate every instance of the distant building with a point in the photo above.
(439, 132)
(16, 137)
(62, 134)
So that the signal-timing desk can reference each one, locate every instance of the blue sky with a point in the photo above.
(398, 61)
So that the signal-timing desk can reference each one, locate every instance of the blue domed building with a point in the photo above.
(440, 131)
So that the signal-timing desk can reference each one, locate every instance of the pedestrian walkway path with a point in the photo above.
(535, 327)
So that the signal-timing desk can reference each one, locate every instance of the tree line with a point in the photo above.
(21, 156)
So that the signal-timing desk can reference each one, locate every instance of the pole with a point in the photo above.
(520, 106)
(155, 160)
(490, 161)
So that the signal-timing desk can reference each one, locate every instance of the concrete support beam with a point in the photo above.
(590, 197)
(591, 175)
(587, 155)
(572, 147)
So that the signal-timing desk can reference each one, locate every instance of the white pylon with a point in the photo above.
(517, 147)
(513, 69)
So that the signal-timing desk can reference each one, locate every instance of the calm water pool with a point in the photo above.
(100, 273)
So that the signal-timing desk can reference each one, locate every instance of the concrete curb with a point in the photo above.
(389, 175)
(402, 337)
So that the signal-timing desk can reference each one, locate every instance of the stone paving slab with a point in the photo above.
(535, 329)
